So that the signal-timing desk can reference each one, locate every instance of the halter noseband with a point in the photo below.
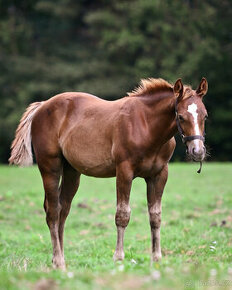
(187, 138)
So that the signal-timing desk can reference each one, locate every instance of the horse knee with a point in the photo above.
(122, 216)
(155, 218)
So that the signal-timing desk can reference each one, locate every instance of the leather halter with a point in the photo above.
(187, 138)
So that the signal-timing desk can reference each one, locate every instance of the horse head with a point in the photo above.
(190, 117)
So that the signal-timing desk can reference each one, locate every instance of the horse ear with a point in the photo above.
(203, 88)
(178, 89)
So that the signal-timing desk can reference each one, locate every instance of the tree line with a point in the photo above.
(105, 48)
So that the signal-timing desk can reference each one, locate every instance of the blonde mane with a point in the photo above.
(150, 86)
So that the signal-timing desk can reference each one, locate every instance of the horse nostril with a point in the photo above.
(198, 151)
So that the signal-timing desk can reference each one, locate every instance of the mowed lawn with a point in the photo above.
(196, 233)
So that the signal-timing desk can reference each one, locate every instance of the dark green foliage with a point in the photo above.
(105, 47)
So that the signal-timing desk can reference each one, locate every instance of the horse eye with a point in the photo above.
(206, 117)
(181, 118)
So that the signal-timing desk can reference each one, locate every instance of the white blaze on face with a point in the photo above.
(192, 109)
(198, 144)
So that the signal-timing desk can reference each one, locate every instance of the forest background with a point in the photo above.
(105, 47)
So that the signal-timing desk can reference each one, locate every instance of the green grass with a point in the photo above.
(196, 233)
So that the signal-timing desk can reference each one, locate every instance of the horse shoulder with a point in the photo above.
(164, 155)
(166, 151)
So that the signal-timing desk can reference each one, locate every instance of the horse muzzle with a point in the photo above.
(196, 150)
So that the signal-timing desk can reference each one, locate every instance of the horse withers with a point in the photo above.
(78, 133)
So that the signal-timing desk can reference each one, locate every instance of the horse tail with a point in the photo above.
(21, 152)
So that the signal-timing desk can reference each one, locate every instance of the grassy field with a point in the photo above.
(196, 233)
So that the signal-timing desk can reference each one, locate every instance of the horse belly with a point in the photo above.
(96, 168)
(90, 155)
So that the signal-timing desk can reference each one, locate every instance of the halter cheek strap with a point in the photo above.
(187, 138)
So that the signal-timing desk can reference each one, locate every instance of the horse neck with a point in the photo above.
(160, 114)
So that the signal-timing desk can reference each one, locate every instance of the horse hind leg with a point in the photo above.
(69, 187)
(51, 169)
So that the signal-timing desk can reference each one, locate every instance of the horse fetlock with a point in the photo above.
(156, 257)
(58, 262)
(118, 256)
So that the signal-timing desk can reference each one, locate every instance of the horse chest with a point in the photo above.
(152, 162)
(148, 166)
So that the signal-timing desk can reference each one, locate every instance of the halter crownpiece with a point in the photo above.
(187, 138)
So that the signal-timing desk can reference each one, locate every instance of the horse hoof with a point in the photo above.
(59, 267)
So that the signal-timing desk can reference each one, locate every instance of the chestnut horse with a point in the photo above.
(78, 133)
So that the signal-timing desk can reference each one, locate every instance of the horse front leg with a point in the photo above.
(155, 187)
(124, 176)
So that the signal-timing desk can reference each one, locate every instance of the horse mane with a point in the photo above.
(151, 85)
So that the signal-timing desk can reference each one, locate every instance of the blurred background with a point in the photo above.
(105, 47)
